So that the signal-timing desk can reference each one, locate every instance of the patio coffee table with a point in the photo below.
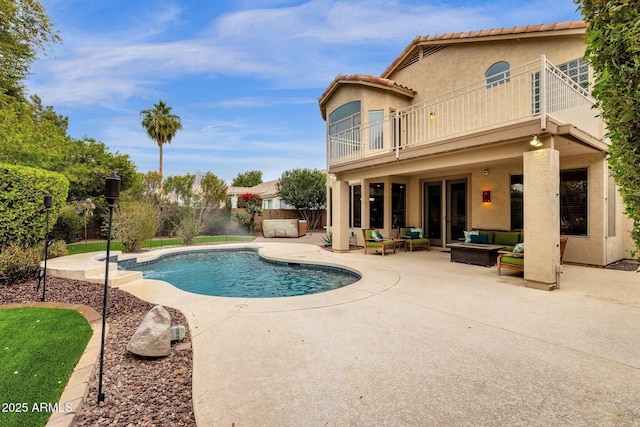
(400, 243)
(474, 253)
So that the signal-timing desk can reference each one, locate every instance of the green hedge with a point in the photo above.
(22, 212)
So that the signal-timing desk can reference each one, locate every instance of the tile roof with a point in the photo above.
(366, 79)
(508, 32)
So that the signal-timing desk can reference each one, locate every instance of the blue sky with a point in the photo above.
(243, 75)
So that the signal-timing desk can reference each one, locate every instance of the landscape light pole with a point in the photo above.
(112, 194)
(47, 207)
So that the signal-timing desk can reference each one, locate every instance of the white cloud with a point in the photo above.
(291, 46)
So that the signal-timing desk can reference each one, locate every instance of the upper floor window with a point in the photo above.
(344, 118)
(498, 74)
(577, 70)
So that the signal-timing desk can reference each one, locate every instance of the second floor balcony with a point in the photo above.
(536, 90)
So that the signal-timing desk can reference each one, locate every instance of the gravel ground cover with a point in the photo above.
(139, 391)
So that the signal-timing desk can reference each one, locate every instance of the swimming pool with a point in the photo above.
(243, 274)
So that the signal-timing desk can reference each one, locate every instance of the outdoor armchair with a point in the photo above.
(372, 242)
(414, 237)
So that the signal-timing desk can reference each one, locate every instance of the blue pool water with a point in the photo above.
(243, 274)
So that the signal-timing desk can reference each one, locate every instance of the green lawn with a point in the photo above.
(80, 248)
(39, 348)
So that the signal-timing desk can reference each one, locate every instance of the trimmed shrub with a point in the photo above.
(22, 212)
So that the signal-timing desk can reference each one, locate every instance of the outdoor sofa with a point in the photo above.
(414, 238)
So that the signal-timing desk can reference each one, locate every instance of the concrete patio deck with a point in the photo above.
(418, 341)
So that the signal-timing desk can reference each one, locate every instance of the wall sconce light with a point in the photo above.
(486, 197)
(432, 116)
(535, 142)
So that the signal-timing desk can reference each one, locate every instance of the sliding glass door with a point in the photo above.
(445, 210)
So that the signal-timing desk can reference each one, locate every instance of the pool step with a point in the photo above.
(116, 277)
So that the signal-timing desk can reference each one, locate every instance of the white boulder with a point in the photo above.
(153, 336)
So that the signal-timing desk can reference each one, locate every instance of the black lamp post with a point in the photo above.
(112, 194)
(47, 207)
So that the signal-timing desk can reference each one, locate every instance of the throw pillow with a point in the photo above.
(468, 234)
(413, 234)
(419, 231)
(376, 235)
(518, 250)
(479, 238)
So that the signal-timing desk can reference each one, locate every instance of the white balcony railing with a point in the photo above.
(521, 94)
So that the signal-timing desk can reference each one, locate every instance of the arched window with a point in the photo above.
(498, 74)
(344, 118)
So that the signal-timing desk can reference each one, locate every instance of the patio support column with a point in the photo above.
(340, 217)
(366, 217)
(541, 218)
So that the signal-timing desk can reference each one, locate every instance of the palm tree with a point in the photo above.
(161, 126)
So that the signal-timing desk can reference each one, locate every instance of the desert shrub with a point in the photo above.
(57, 249)
(18, 264)
(133, 223)
(68, 226)
(188, 229)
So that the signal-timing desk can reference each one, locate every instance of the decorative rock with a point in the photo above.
(153, 336)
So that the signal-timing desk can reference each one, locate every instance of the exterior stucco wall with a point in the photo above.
(458, 65)
(590, 249)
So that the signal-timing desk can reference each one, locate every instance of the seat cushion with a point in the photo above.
(512, 260)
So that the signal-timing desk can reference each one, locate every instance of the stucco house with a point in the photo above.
(489, 129)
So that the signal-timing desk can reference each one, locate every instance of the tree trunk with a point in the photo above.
(160, 168)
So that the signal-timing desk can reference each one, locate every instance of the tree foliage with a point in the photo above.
(252, 203)
(614, 52)
(161, 125)
(306, 190)
(195, 196)
(247, 179)
(25, 30)
(32, 135)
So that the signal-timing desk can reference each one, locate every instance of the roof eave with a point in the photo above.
(374, 82)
